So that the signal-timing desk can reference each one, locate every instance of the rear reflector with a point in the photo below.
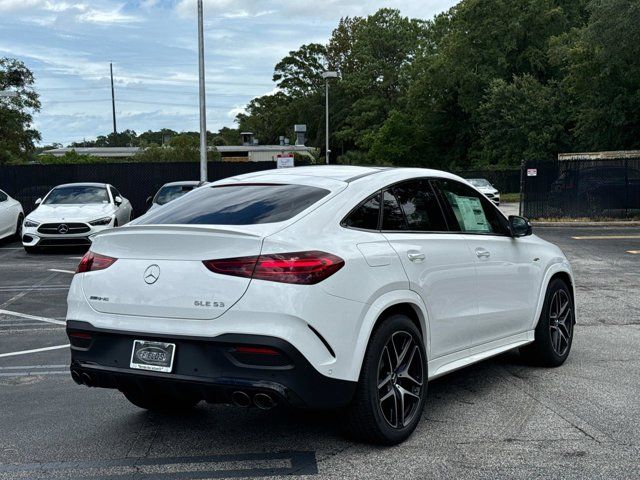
(93, 261)
(304, 268)
(257, 350)
(80, 339)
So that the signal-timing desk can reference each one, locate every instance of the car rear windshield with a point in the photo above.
(244, 204)
(77, 195)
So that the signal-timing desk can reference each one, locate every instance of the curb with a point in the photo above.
(628, 224)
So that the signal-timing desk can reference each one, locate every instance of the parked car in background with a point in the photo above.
(70, 214)
(318, 287)
(170, 191)
(11, 216)
(484, 186)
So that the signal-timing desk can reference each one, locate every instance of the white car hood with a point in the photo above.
(487, 190)
(68, 213)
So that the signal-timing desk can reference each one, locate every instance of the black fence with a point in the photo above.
(594, 189)
(136, 181)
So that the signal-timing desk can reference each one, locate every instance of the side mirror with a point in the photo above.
(38, 201)
(149, 201)
(118, 200)
(519, 226)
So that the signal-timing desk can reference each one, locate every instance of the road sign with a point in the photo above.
(285, 161)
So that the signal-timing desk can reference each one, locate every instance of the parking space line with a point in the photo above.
(61, 271)
(634, 252)
(35, 350)
(29, 374)
(32, 317)
(606, 237)
(32, 367)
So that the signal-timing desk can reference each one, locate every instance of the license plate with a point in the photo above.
(154, 356)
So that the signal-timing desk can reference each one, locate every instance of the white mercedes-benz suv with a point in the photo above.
(70, 214)
(317, 287)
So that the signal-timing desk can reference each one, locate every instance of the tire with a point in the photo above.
(370, 416)
(157, 400)
(18, 234)
(32, 250)
(554, 333)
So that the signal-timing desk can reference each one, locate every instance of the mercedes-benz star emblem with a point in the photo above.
(63, 228)
(152, 274)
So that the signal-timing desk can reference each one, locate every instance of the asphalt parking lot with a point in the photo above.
(500, 418)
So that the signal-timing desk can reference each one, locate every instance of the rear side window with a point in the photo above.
(392, 216)
(420, 206)
(244, 204)
(366, 215)
(3, 196)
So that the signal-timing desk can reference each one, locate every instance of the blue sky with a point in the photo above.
(153, 46)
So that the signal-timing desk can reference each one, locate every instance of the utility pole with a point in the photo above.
(113, 100)
(203, 107)
(327, 76)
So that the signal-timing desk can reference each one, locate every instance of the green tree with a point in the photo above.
(602, 78)
(17, 135)
(522, 120)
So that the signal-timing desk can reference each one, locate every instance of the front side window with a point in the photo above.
(171, 192)
(77, 195)
(3, 196)
(472, 211)
(239, 204)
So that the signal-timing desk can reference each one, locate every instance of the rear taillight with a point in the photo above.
(94, 261)
(304, 268)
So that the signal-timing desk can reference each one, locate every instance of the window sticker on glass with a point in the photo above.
(469, 213)
(473, 215)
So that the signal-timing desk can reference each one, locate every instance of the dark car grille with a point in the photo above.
(64, 242)
(59, 228)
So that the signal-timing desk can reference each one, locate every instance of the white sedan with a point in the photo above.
(11, 216)
(484, 186)
(171, 191)
(70, 214)
(320, 287)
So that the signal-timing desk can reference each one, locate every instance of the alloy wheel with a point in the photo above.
(560, 322)
(400, 379)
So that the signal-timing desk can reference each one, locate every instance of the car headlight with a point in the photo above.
(101, 222)
(30, 223)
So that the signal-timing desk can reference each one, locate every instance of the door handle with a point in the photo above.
(482, 253)
(415, 256)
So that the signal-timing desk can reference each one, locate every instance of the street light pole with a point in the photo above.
(327, 76)
(203, 107)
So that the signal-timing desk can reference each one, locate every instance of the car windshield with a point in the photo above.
(171, 192)
(479, 182)
(244, 204)
(77, 195)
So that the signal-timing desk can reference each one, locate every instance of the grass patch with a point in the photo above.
(510, 197)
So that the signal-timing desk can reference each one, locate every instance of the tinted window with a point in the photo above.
(420, 206)
(3, 196)
(166, 194)
(237, 205)
(366, 215)
(115, 193)
(472, 211)
(392, 216)
(77, 195)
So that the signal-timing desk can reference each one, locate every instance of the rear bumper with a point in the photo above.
(208, 368)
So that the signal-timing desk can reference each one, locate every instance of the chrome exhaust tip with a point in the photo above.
(240, 399)
(263, 401)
